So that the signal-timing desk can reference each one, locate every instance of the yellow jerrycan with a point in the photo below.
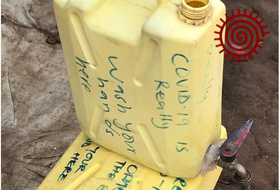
(146, 78)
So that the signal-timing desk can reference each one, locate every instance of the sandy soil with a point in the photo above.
(38, 116)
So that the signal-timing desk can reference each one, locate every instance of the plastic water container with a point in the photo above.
(146, 77)
(88, 166)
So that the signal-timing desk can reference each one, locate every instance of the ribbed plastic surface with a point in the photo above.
(88, 166)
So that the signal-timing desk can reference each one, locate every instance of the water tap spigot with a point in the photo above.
(228, 152)
(230, 147)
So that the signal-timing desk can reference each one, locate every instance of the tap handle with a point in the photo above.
(230, 147)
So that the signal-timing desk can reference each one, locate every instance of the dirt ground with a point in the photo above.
(38, 116)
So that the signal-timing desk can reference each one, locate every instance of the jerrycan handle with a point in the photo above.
(159, 2)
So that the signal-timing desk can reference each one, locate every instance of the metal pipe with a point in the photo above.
(242, 176)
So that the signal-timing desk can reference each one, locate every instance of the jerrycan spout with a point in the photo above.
(195, 11)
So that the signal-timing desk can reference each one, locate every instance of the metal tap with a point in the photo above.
(228, 152)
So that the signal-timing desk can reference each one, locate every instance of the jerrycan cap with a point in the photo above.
(195, 12)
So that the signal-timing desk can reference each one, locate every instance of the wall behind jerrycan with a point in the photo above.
(146, 81)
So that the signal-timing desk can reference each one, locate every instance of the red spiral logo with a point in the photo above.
(243, 35)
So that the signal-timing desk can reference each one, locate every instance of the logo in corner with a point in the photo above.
(243, 35)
